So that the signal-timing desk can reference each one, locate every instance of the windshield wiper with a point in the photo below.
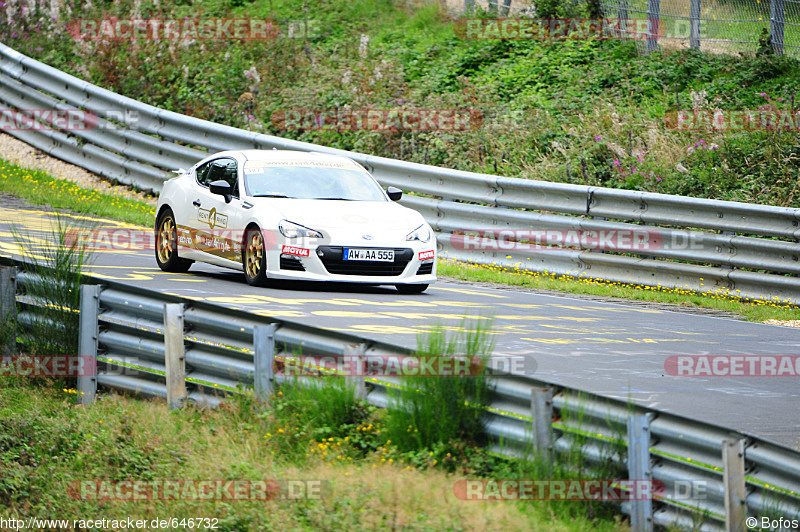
(270, 196)
(339, 199)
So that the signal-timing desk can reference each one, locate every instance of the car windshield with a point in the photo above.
(324, 181)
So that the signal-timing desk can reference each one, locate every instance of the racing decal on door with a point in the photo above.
(223, 244)
(212, 218)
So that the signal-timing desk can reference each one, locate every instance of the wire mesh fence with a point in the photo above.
(738, 27)
(744, 27)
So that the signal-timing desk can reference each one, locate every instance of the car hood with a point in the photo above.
(326, 215)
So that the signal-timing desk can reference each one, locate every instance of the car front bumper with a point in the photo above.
(414, 263)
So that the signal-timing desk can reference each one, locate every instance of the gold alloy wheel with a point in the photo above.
(165, 239)
(255, 253)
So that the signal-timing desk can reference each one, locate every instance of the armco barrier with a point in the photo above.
(736, 248)
(217, 351)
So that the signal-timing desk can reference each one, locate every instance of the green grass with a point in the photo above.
(40, 188)
(46, 444)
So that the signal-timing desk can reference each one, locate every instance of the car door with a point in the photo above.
(214, 222)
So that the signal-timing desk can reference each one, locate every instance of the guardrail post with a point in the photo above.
(776, 10)
(88, 335)
(639, 470)
(728, 266)
(733, 478)
(653, 25)
(8, 308)
(542, 416)
(175, 354)
(264, 354)
(354, 359)
(694, 25)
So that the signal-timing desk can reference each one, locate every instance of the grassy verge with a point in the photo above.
(46, 445)
(40, 188)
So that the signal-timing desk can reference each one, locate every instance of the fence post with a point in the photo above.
(174, 354)
(733, 478)
(506, 8)
(8, 308)
(87, 342)
(354, 359)
(264, 354)
(653, 25)
(639, 470)
(622, 12)
(694, 27)
(542, 416)
(776, 10)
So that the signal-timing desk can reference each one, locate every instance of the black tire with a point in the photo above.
(411, 288)
(254, 257)
(167, 244)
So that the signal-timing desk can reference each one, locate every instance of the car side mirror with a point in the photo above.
(394, 193)
(223, 188)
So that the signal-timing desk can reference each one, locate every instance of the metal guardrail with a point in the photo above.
(701, 245)
(136, 334)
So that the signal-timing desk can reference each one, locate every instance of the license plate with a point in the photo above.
(375, 255)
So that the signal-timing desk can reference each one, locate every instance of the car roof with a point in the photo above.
(285, 155)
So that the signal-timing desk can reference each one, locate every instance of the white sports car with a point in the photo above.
(292, 215)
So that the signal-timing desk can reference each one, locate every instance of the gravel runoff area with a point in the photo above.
(784, 323)
(19, 153)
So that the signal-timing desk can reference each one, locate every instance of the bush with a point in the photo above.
(55, 263)
(427, 410)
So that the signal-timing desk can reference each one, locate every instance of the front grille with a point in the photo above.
(291, 263)
(332, 259)
(426, 269)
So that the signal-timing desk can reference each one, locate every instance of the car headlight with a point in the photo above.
(293, 230)
(421, 233)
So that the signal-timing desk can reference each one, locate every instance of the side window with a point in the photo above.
(219, 169)
(201, 174)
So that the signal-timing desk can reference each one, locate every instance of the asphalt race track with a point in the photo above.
(609, 349)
